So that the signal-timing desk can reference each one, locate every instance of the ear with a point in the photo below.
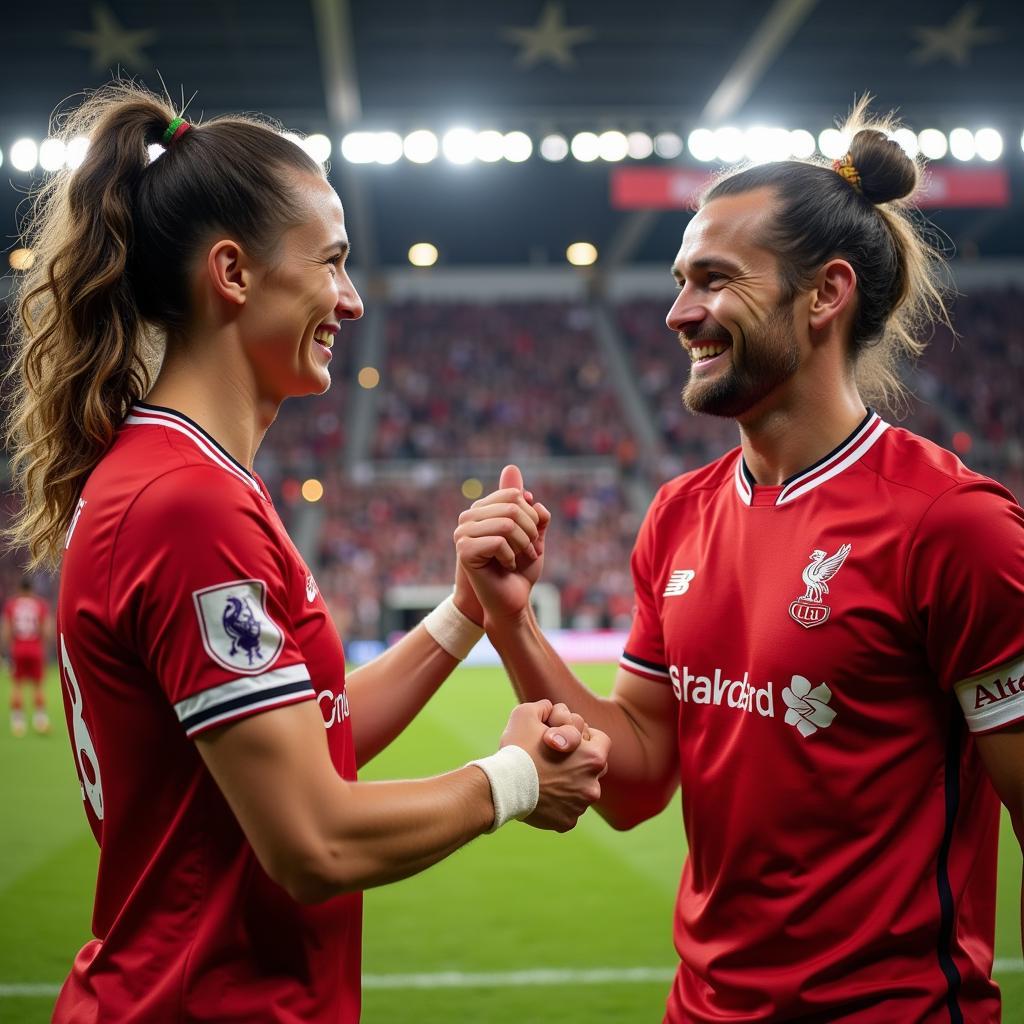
(835, 289)
(228, 268)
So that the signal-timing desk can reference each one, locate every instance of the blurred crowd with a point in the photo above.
(506, 380)
(464, 384)
(398, 532)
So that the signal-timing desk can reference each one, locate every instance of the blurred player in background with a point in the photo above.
(24, 638)
(827, 649)
(216, 736)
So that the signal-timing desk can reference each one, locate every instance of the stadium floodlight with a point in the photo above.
(387, 147)
(933, 143)
(359, 147)
(312, 489)
(517, 147)
(762, 145)
(585, 147)
(612, 146)
(77, 148)
(51, 154)
(554, 148)
(459, 145)
(668, 145)
(801, 144)
(155, 151)
(490, 146)
(989, 144)
(581, 254)
(21, 259)
(293, 138)
(24, 154)
(701, 143)
(961, 144)
(833, 144)
(318, 147)
(368, 377)
(421, 146)
(907, 140)
(422, 254)
(729, 145)
(639, 145)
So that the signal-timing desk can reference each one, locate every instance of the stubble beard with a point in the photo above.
(770, 357)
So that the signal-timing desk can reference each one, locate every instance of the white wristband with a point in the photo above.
(515, 787)
(454, 632)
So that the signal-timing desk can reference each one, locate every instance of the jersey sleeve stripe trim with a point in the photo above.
(249, 688)
(282, 697)
(642, 667)
(993, 699)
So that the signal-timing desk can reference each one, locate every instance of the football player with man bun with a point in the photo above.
(826, 654)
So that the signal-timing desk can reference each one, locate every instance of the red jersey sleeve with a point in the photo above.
(965, 588)
(645, 648)
(200, 590)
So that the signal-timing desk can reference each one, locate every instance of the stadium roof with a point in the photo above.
(540, 67)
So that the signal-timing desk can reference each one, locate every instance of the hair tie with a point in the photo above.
(175, 130)
(845, 169)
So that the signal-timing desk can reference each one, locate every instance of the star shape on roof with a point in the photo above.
(549, 40)
(952, 41)
(111, 43)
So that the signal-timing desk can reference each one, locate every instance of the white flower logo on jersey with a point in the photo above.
(237, 632)
(807, 709)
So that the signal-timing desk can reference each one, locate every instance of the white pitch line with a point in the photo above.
(539, 976)
(515, 979)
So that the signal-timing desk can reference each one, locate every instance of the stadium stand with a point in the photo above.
(467, 386)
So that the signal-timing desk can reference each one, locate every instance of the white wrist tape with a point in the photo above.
(515, 787)
(455, 632)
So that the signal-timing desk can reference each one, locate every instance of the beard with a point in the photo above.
(770, 357)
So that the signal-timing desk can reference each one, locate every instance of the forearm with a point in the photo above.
(386, 694)
(384, 831)
(637, 784)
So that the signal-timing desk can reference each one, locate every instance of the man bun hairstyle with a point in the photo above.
(115, 242)
(862, 213)
(886, 172)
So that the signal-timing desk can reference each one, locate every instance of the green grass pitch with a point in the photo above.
(516, 901)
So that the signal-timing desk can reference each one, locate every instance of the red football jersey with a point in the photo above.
(26, 615)
(817, 636)
(183, 606)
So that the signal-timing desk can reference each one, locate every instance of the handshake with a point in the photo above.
(558, 779)
(500, 546)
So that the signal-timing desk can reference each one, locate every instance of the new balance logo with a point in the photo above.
(679, 582)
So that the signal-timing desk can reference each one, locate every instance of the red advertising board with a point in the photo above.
(678, 188)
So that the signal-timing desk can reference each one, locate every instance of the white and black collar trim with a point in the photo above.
(157, 416)
(856, 445)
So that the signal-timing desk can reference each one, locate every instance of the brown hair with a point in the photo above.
(114, 242)
(820, 215)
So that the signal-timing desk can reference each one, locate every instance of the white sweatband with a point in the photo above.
(515, 787)
(454, 632)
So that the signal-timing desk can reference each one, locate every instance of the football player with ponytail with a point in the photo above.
(173, 305)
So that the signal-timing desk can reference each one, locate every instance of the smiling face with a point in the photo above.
(299, 299)
(732, 313)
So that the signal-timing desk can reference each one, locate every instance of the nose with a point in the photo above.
(686, 312)
(349, 305)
